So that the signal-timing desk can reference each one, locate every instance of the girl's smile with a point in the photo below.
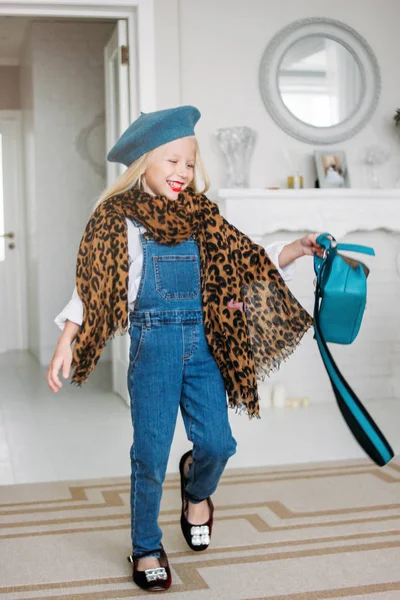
(176, 186)
(171, 169)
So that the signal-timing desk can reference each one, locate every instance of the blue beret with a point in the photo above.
(151, 130)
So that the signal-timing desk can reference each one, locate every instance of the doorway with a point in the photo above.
(13, 326)
(40, 222)
(55, 161)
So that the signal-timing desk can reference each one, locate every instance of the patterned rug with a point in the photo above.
(303, 532)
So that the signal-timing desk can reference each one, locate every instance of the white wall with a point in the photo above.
(208, 54)
(62, 73)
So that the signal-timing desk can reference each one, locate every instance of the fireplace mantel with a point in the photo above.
(258, 212)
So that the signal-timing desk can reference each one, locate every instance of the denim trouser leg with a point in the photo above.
(155, 383)
(171, 365)
(205, 415)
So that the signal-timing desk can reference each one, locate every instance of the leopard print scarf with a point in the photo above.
(252, 321)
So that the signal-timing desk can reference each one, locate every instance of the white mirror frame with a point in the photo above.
(369, 71)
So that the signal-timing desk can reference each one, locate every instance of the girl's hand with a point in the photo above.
(62, 357)
(305, 246)
(309, 245)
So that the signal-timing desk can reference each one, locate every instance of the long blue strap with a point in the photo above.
(356, 416)
(360, 422)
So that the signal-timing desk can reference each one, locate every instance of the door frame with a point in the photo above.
(13, 117)
(117, 120)
(141, 39)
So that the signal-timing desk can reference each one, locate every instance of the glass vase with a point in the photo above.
(237, 145)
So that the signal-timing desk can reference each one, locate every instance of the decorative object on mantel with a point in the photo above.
(292, 162)
(340, 300)
(296, 182)
(375, 156)
(396, 119)
(332, 169)
(237, 145)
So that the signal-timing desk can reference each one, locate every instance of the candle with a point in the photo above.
(278, 395)
(265, 395)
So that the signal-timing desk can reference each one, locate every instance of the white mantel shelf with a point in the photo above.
(258, 212)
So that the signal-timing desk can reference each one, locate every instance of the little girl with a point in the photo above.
(207, 311)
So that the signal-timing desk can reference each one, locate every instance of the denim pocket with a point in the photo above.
(177, 276)
(137, 334)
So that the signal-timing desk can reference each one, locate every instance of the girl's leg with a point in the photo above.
(154, 381)
(205, 414)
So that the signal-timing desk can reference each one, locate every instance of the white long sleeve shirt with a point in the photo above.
(74, 309)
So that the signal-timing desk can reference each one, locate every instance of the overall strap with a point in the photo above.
(136, 223)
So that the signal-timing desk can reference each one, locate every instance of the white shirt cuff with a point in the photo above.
(273, 250)
(72, 312)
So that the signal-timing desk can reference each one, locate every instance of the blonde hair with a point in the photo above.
(132, 177)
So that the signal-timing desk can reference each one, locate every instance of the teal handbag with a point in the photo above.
(340, 300)
(342, 284)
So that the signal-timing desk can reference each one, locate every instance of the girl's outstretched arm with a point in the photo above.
(62, 356)
(305, 246)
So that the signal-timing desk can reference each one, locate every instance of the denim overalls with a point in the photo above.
(170, 365)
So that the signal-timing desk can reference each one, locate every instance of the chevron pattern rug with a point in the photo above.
(302, 532)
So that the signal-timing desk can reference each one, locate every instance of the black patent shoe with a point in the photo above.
(198, 537)
(152, 580)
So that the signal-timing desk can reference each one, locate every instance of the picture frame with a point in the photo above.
(332, 169)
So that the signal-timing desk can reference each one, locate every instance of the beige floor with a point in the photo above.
(303, 532)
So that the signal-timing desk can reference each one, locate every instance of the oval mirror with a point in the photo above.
(319, 80)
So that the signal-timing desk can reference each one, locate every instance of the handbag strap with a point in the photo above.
(356, 248)
(328, 242)
(326, 239)
(361, 424)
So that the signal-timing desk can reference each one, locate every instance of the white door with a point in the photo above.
(117, 121)
(12, 237)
